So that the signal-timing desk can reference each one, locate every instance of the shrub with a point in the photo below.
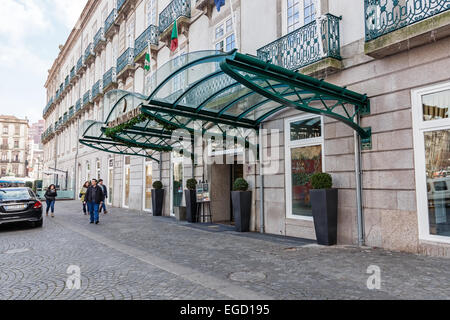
(240, 185)
(191, 184)
(157, 185)
(321, 180)
(29, 184)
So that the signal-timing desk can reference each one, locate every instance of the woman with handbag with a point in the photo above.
(83, 194)
(50, 198)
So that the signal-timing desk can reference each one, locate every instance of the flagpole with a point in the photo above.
(233, 21)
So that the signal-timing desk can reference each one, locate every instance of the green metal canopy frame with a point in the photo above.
(220, 91)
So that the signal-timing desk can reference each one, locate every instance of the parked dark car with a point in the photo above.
(20, 205)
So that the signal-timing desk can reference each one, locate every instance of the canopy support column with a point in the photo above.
(261, 182)
(358, 175)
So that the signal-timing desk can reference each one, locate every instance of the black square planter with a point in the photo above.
(157, 201)
(242, 204)
(324, 204)
(191, 205)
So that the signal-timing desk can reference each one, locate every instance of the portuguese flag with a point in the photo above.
(174, 38)
(147, 58)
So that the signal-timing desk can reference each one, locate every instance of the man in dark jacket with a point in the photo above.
(105, 193)
(94, 198)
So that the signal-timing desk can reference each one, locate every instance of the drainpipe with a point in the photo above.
(75, 178)
(358, 176)
(261, 182)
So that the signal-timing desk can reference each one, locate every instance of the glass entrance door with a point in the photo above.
(176, 186)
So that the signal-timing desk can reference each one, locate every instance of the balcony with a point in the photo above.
(124, 8)
(81, 66)
(87, 98)
(110, 80)
(393, 26)
(65, 118)
(67, 84)
(179, 10)
(58, 124)
(97, 90)
(207, 6)
(125, 64)
(150, 35)
(111, 28)
(71, 112)
(313, 49)
(73, 76)
(78, 105)
(99, 40)
(89, 54)
(47, 107)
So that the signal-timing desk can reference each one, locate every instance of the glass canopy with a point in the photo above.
(212, 93)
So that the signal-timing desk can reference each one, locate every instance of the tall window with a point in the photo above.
(126, 182)
(304, 145)
(431, 124)
(150, 12)
(309, 11)
(148, 180)
(110, 181)
(293, 15)
(130, 34)
(224, 36)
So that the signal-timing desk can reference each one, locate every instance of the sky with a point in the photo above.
(30, 34)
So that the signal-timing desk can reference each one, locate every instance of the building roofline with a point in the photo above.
(85, 15)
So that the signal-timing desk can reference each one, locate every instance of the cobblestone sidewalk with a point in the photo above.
(132, 255)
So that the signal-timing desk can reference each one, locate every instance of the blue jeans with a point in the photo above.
(103, 207)
(50, 205)
(93, 211)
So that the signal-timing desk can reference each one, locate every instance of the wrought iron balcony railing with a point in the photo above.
(314, 41)
(66, 82)
(80, 63)
(87, 97)
(78, 105)
(174, 10)
(49, 103)
(65, 117)
(141, 43)
(120, 4)
(384, 16)
(109, 77)
(110, 20)
(72, 73)
(99, 36)
(89, 51)
(97, 89)
(61, 88)
(71, 111)
(126, 59)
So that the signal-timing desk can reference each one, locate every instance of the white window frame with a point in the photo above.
(419, 128)
(110, 183)
(145, 164)
(125, 166)
(287, 153)
(151, 13)
(297, 24)
(226, 33)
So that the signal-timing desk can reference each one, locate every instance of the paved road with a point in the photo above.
(131, 255)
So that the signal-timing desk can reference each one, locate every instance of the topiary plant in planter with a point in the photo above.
(240, 185)
(191, 200)
(324, 202)
(241, 199)
(157, 198)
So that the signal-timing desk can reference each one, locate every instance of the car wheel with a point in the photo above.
(38, 224)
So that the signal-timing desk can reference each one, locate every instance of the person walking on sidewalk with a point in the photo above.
(50, 198)
(94, 198)
(82, 195)
(105, 193)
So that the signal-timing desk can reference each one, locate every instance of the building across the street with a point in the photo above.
(14, 146)
(305, 85)
(36, 130)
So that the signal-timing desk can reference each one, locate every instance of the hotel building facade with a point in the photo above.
(389, 157)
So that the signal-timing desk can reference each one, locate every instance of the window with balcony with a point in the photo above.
(16, 143)
(151, 12)
(293, 15)
(309, 11)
